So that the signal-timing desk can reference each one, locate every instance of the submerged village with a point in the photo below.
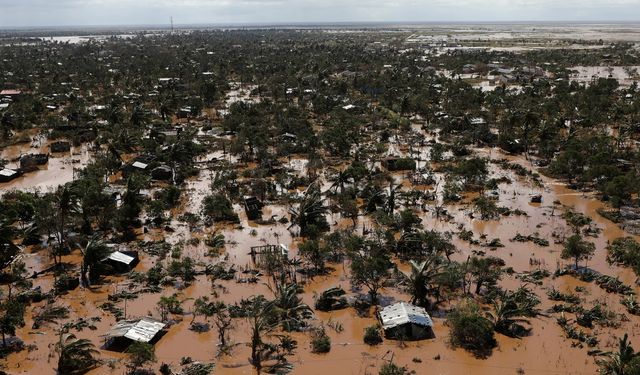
(429, 200)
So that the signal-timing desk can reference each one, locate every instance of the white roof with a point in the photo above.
(7, 172)
(402, 313)
(349, 106)
(119, 257)
(139, 164)
(141, 330)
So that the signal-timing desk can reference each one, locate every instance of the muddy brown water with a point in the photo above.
(546, 351)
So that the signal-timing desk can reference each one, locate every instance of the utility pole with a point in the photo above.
(171, 24)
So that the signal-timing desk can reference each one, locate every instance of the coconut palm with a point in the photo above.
(511, 310)
(289, 307)
(420, 277)
(66, 204)
(93, 253)
(76, 355)
(310, 212)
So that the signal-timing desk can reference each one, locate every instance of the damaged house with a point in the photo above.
(405, 321)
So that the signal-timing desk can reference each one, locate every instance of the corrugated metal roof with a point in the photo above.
(7, 172)
(141, 330)
(402, 313)
(119, 257)
(140, 165)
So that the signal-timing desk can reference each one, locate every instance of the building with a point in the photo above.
(124, 332)
(7, 175)
(253, 208)
(122, 261)
(405, 321)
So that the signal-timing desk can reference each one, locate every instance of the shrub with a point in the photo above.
(372, 335)
(469, 329)
(321, 343)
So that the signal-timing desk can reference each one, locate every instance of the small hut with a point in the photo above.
(32, 160)
(406, 321)
(253, 208)
(7, 175)
(122, 261)
(125, 332)
(399, 164)
(60, 146)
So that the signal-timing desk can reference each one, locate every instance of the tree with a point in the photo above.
(473, 171)
(577, 249)
(262, 322)
(289, 308)
(485, 271)
(217, 207)
(469, 329)
(223, 323)
(370, 267)
(76, 355)
(168, 305)
(623, 362)
(65, 203)
(420, 278)
(12, 317)
(511, 310)
(7, 248)
(309, 215)
(140, 353)
(315, 253)
(93, 254)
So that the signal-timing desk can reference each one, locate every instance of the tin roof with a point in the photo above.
(119, 257)
(141, 330)
(402, 313)
(140, 165)
(7, 172)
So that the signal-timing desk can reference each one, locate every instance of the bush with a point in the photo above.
(217, 207)
(469, 329)
(372, 335)
(393, 369)
(321, 343)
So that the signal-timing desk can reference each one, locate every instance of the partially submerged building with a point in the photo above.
(32, 160)
(253, 208)
(269, 254)
(122, 261)
(405, 321)
(7, 175)
(125, 332)
(60, 146)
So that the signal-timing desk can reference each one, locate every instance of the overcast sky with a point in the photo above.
(154, 12)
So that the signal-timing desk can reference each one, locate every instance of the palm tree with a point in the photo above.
(66, 204)
(76, 355)
(92, 256)
(511, 310)
(339, 180)
(421, 275)
(289, 307)
(619, 363)
(310, 211)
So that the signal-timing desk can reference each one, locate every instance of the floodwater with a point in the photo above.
(60, 169)
(546, 351)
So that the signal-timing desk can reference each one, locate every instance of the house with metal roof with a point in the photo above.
(124, 332)
(122, 261)
(7, 175)
(405, 321)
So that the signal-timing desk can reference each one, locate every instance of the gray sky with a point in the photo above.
(135, 12)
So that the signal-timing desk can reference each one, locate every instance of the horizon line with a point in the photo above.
(320, 24)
